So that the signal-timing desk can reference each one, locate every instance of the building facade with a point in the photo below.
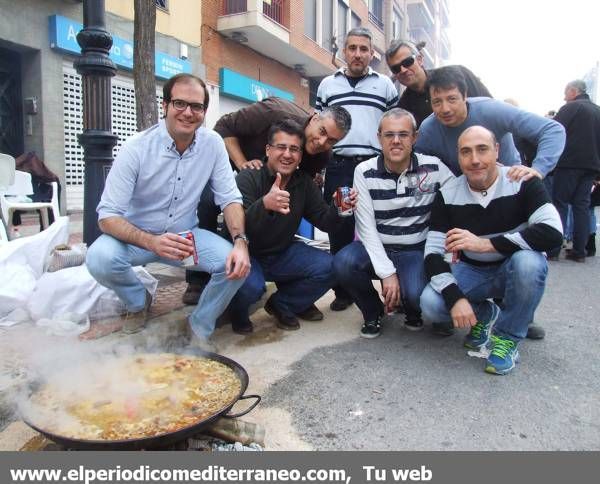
(41, 96)
(246, 50)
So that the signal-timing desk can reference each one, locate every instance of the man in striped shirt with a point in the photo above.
(396, 190)
(498, 229)
(366, 95)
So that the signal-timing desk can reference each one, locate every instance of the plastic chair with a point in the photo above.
(15, 187)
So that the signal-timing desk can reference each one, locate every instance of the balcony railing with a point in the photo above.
(376, 20)
(272, 9)
(229, 7)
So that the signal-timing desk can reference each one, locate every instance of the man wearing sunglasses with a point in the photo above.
(276, 197)
(366, 95)
(245, 133)
(151, 195)
(406, 63)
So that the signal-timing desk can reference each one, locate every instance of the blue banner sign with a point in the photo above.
(248, 89)
(63, 36)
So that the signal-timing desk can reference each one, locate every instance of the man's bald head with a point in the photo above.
(477, 131)
(477, 156)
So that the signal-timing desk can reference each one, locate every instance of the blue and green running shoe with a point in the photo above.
(503, 355)
(480, 333)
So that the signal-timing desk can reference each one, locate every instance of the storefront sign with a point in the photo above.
(248, 89)
(63, 36)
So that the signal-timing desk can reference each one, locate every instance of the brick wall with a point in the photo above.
(219, 51)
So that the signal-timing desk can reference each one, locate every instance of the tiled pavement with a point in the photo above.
(168, 294)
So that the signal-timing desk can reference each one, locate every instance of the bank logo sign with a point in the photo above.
(63, 36)
(248, 89)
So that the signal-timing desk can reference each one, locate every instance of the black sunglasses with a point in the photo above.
(406, 63)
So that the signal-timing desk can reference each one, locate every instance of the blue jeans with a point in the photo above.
(520, 281)
(302, 275)
(340, 173)
(573, 186)
(354, 272)
(110, 262)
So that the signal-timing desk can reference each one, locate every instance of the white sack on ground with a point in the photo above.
(75, 291)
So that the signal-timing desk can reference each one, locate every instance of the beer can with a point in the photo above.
(192, 259)
(452, 257)
(342, 202)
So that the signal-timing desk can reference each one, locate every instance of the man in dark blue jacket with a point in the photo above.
(579, 163)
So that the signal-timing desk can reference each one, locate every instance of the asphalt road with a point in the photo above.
(417, 391)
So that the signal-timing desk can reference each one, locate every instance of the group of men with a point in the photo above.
(454, 237)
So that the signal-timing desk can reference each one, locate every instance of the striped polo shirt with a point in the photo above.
(366, 102)
(393, 210)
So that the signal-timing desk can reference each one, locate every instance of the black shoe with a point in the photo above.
(413, 323)
(442, 329)
(590, 248)
(192, 294)
(552, 258)
(371, 329)
(245, 327)
(570, 255)
(535, 332)
(311, 314)
(285, 320)
(340, 303)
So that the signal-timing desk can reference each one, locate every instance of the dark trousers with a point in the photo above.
(573, 186)
(340, 173)
(353, 270)
(302, 275)
(208, 214)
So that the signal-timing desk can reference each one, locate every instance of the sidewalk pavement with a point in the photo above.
(326, 388)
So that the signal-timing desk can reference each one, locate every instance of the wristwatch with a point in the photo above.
(243, 237)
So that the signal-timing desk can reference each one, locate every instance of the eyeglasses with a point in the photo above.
(182, 105)
(294, 150)
(391, 135)
(406, 63)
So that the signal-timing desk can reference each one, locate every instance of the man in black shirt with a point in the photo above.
(245, 135)
(276, 197)
(406, 63)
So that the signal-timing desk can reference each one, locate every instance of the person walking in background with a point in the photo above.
(578, 166)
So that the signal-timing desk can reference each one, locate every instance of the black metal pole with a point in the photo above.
(97, 139)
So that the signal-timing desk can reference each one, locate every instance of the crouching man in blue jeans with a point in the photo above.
(276, 197)
(397, 189)
(497, 228)
(151, 194)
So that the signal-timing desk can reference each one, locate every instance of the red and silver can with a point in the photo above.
(342, 202)
(192, 259)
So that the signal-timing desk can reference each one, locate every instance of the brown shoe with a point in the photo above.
(192, 294)
(311, 314)
(285, 320)
(570, 255)
(135, 322)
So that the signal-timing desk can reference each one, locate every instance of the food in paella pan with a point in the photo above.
(135, 396)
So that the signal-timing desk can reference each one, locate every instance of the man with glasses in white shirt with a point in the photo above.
(151, 195)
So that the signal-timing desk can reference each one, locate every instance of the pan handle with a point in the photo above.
(250, 408)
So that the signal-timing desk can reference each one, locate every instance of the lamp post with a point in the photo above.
(97, 139)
